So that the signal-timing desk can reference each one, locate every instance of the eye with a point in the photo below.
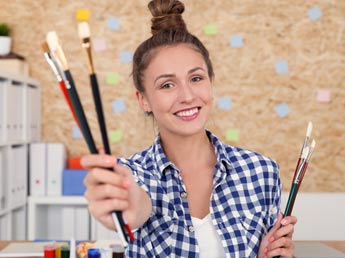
(167, 85)
(196, 78)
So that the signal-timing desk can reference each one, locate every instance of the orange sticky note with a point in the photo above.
(83, 15)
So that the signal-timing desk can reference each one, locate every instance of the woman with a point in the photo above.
(188, 195)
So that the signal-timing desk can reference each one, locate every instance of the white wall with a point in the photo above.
(321, 216)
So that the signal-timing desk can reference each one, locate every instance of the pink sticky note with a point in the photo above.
(99, 44)
(323, 96)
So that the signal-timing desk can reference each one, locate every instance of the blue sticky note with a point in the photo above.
(224, 103)
(314, 13)
(114, 23)
(126, 57)
(282, 109)
(236, 41)
(282, 67)
(118, 106)
(76, 133)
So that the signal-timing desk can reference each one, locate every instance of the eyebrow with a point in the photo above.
(169, 75)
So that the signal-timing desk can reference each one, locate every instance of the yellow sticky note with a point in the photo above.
(115, 136)
(232, 135)
(83, 15)
(112, 78)
(210, 29)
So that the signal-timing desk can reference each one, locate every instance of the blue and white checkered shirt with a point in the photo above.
(244, 202)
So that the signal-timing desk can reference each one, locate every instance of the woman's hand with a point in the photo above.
(107, 191)
(278, 241)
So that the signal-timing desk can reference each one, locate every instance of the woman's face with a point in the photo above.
(177, 90)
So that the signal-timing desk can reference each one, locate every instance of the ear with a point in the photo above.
(143, 103)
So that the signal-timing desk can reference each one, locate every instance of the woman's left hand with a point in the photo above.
(278, 241)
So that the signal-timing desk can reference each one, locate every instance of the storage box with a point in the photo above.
(72, 181)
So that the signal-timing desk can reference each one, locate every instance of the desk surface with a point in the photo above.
(339, 245)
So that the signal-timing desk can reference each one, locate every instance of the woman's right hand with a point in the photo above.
(107, 191)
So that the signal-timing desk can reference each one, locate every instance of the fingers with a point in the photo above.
(97, 160)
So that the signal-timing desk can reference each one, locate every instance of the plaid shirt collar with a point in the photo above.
(163, 163)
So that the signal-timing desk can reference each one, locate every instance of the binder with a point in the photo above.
(33, 114)
(37, 169)
(3, 110)
(21, 164)
(1, 181)
(56, 163)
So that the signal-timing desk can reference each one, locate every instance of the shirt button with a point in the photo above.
(184, 195)
(190, 228)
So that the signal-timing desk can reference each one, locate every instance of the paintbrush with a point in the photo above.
(305, 144)
(55, 47)
(51, 60)
(85, 36)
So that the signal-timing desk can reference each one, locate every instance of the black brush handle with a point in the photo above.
(78, 109)
(99, 110)
(101, 121)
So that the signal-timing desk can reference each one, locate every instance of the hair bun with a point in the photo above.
(167, 15)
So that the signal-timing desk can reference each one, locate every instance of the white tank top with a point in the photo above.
(209, 241)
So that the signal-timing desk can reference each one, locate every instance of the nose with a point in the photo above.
(186, 93)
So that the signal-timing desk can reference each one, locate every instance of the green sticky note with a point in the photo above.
(82, 15)
(232, 135)
(112, 78)
(210, 29)
(115, 136)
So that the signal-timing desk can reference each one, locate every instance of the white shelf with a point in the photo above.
(57, 200)
(20, 125)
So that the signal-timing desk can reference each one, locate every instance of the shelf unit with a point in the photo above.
(20, 124)
(63, 217)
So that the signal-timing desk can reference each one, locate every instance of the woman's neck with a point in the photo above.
(188, 150)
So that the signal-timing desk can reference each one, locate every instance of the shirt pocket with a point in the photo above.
(161, 229)
(254, 229)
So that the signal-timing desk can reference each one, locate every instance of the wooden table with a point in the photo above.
(339, 245)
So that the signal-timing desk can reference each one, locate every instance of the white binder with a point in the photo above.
(37, 169)
(56, 163)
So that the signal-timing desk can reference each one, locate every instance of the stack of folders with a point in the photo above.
(49, 175)
(19, 120)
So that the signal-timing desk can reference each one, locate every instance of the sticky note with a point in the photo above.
(282, 109)
(236, 41)
(118, 106)
(314, 13)
(82, 15)
(115, 136)
(76, 133)
(210, 29)
(113, 23)
(126, 57)
(282, 67)
(323, 95)
(224, 103)
(112, 78)
(232, 135)
(99, 44)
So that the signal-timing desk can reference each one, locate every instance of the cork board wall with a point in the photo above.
(287, 54)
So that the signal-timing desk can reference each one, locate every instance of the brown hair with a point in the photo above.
(168, 28)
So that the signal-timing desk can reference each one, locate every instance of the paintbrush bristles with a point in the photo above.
(84, 30)
(45, 47)
(309, 129)
(54, 45)
(84, 34)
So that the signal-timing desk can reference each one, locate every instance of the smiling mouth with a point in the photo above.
(187, 113)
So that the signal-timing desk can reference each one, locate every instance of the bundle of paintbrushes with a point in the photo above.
(300, 170)
(56, 59)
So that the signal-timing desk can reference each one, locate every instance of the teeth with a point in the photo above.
(187, 112)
